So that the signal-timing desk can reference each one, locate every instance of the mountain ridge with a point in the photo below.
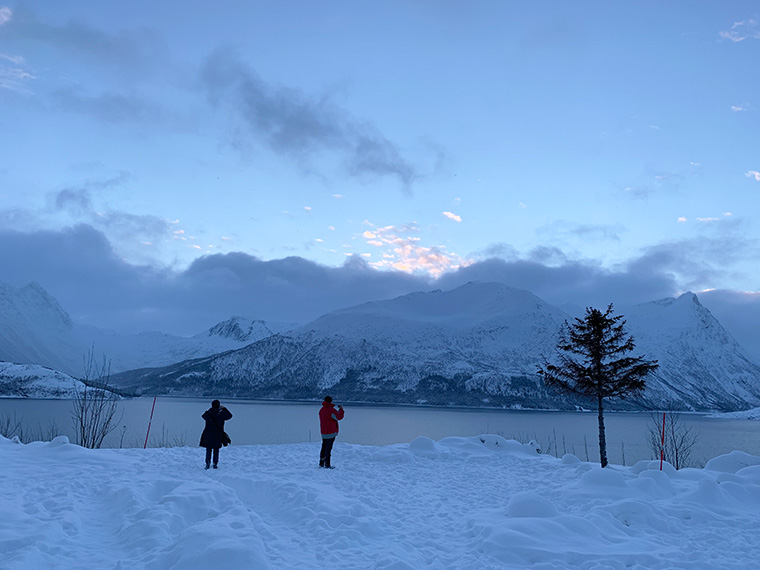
(411, 349)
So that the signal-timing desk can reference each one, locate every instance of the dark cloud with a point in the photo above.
(295, 125)
(72, 200)
(739, 312)
(697, 261)
(570, 283)
(114, 107)
(77, 201)
(80, 268)
(562, 229)
(500, 250)
(128, 66)
(133, 51)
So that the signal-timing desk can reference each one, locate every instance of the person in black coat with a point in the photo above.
(213, 436)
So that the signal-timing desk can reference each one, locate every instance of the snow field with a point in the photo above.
(479, 502)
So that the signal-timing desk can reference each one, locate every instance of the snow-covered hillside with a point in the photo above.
(478, 344)
(35, 329)
(33, 381)
(481, 503)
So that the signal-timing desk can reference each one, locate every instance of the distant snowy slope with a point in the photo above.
(35, 329)
(148, 349)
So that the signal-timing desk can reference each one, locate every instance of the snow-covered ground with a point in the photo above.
(474, 503)
(753, 414)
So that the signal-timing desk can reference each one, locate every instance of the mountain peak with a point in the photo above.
(39, 306)
(688, 297)
(241, 329)
(467, 305)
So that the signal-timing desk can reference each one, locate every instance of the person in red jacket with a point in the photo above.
(328, 425)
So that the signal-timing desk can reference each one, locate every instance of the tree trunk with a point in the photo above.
(602, 437)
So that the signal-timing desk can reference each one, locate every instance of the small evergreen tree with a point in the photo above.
(592, 363)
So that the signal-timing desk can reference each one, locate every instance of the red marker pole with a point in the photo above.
(151, 421)
(662, 443)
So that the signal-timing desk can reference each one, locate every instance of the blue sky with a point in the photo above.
(417, 143)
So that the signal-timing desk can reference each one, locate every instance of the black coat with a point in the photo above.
(212, 433)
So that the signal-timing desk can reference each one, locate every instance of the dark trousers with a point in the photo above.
(208, 455)
(324, 453)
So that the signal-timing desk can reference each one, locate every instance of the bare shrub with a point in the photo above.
(11, 426)
(95, 405)
(164, 439)
(679, 440)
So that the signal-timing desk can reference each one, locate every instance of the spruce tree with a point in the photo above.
(592, 362)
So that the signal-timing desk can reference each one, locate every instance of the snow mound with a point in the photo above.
(529, 504)
(732, 462)
(472, 446)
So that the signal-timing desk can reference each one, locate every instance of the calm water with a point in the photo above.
(176, 421)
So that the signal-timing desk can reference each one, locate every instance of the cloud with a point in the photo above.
(740, 31)
(452, 216)
(14, 77)
(129, 65)
(135, 51)
(295, 125)
(563, 230)
(681, 219)
(80, 268)
(739, 312)
(694, 262)
(753, 174)
(660, 182)
(739, 108)
(84, 203)
(96, 285)
(405, 253)
(111, 107)
(5, 15)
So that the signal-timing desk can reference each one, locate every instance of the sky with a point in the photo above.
(167, 165)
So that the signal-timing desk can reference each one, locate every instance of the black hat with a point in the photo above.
(216, 404)
(328, 399)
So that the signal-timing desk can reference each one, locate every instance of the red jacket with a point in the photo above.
(328, 419)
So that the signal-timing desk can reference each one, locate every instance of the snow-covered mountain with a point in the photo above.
(478, 344)
(700, 362)
(35, 329)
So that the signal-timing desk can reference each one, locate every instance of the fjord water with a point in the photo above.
(177, 422)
